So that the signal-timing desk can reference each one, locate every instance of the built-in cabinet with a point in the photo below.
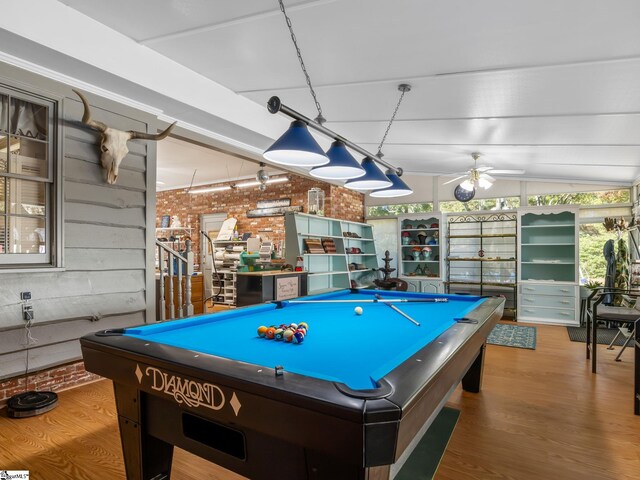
(548, 252)
(420, 251)
(481, 256)
(337, 254)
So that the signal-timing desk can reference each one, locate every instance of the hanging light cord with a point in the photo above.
(320, 119)
(404, 88)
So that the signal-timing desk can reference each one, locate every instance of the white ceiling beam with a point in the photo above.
(93, 43)
(233, 22)
(503, 117)
(418, 78)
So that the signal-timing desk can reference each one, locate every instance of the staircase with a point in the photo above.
(176, 270)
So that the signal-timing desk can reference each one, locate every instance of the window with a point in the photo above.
(582, 198)
(27, 138)
(393, 210)
(506, 203)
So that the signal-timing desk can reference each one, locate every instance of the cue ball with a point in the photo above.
(358, 310)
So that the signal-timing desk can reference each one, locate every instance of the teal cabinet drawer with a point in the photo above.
(546, 289)
(563, 314)
(548, 301)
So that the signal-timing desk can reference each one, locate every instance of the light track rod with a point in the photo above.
(274, 105)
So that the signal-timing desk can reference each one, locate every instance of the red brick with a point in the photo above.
(57, 378)
(340, 203)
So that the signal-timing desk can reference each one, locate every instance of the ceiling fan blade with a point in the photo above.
(484, 168)
(454, 180)
(507, 172)
(488, 177)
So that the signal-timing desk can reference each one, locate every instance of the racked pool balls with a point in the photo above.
(262, 331)
(288, 335)
(278, 334)
(271, 332)
(298, 337)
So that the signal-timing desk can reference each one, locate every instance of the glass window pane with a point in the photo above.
(28, 157)
(3, 234)
(27, 235)
(26, 197)
(28, 119)
(4, 153)
(4, 113)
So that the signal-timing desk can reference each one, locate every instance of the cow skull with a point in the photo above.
(113, 144)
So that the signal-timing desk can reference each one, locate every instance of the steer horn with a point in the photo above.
(86, 116)
(152, 136)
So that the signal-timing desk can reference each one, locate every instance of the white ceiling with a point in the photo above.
(550, 87)
(184, 164)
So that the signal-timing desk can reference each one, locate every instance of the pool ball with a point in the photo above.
(294, 326)
(262, 331)
(270, 333)
(304, 324)
(297, 337)
(358, 310)
(287, 335)
(278, 334)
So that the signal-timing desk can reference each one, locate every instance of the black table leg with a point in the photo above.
(636, 392)
(472, 380)
(145, 457)
(594, 344)
(588, 342)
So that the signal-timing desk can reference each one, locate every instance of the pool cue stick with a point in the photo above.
(393, 307)
(384, 300)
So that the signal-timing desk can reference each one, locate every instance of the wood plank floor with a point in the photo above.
(541, 415)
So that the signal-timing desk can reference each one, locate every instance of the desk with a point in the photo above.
(253, 288)
(354, 398)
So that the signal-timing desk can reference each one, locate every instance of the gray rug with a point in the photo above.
(513, 336)
(605, 335)
(423, 463)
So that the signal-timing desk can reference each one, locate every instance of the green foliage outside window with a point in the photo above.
(508, 203)
(582, 198)
(392, 210)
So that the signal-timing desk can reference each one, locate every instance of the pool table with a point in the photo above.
(349, 402)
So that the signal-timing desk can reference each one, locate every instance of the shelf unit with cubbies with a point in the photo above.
(548, 253)
(224, 284)
(419, 251)
(482, 256)
(354, 262)
(362, 261)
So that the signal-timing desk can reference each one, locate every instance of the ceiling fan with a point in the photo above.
(477, 176)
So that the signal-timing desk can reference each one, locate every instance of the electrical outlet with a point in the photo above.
(27, 312)
(24, 296)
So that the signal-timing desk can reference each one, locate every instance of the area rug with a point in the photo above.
(605, 335)
(513, 336)
(423, 462)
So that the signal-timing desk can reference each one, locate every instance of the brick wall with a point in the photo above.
(54, 379)
(340, 203)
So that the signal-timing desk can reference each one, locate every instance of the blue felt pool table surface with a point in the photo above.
(340, 345)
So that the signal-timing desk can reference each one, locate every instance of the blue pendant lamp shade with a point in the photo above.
(341, 166)
(397, 189)
(373, 179)
(297, 148)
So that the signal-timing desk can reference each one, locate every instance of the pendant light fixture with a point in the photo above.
(398, 187)
(341, 166)
(372, 179)
(296, 147)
